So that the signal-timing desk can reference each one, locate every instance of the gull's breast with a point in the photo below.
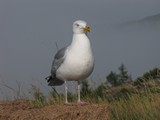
(78, 65)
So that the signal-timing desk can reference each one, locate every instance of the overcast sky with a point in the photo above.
(29, 30)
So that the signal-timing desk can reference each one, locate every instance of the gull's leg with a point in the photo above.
(79, 102)
(66, 91)
(79, 92)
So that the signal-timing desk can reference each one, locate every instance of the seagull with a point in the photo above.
(74, 62)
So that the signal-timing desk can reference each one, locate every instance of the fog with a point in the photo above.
(121, 33)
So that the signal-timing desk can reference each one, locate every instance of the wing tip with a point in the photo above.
(54, 81)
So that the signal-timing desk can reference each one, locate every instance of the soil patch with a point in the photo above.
(23, 110)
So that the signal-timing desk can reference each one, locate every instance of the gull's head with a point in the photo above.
(80, 27)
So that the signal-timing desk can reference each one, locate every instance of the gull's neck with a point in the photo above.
(80, 41)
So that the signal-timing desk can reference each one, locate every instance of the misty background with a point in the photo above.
(123, 31)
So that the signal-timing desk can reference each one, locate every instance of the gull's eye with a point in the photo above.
(77, 25)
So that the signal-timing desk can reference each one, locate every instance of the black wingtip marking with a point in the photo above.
(48, 78)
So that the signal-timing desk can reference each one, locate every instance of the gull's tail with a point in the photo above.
(54, 81)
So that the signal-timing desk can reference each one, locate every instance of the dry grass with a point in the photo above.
(137, 107)
(23, 110)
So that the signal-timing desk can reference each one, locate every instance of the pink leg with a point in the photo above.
(66, 89)
(79, 90)
(79, 102)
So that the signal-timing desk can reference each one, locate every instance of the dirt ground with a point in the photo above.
(23, 110)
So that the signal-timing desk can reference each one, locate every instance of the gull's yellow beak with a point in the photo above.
(87, 29)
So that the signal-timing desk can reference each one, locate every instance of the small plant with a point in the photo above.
(71, 97)
(54, 97)
(16, 92)
(39, 99)
(86, 91)
(102, 92)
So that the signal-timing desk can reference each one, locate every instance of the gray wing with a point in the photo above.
(58, 60)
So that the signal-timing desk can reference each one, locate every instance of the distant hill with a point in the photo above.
(149, 22)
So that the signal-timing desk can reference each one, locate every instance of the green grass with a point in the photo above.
(137, 107)
(39, 99)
